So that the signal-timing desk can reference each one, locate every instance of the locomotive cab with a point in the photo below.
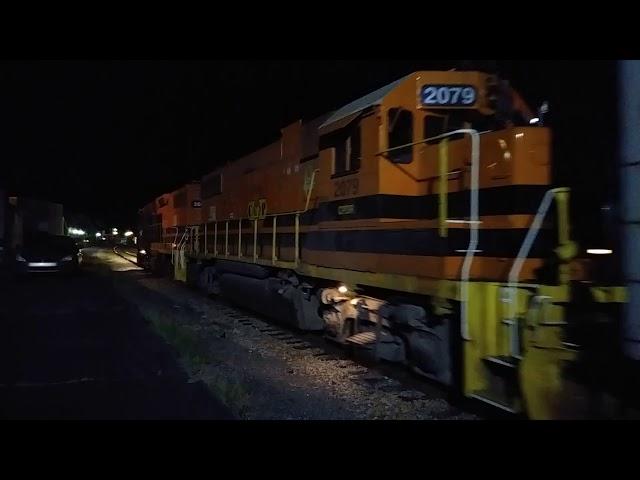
(390, 160)
(440, 184)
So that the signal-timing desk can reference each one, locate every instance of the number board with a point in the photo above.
(448, 96)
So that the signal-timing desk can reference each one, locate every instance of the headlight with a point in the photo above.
(599, 251)
(68, 258)
(20, 258)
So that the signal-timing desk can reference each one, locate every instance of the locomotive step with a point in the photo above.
(504, 372)
(486, 396)
(505, 362)
(363, 339)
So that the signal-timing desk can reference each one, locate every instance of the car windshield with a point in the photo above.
(58, 242)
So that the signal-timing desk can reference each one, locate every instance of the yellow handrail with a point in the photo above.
(297, 239)
(273, 241)
(274, 257)
(255, 240)
(206, 251)
(215, 239)
(226, 238)
(443, 164)
(561, 196)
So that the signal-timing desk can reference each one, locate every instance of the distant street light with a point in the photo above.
(98, 234)
(128, 233)
(114, 231)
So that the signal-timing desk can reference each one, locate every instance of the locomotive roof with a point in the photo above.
(373, 98)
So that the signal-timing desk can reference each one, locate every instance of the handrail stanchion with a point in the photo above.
(215, 238)
(514, 273)
(226, 238)
(255, 240)
(297, 240)
(273, 241)
(206, 251)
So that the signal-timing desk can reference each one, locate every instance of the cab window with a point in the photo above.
(212, 186)
(454, 122)
(347, 152)
(400, 133)
(434, 126)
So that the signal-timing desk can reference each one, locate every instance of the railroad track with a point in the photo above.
(127, 256)
(381, 376)
(378, 378)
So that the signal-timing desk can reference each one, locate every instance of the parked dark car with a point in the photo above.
(43, 252)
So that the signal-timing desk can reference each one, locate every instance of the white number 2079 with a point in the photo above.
(448, 95)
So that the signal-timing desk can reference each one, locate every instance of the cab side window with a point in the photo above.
(433, 126)
(347, 152)
(355, 149)
(400, 133)
(212, 186)
(454, 122)
(340, 158)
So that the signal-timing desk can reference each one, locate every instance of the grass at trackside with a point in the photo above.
(195, 352)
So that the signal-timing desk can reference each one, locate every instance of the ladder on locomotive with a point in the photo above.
(503, 370)
(189, 243)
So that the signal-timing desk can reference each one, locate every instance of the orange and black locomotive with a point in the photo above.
(417, 224)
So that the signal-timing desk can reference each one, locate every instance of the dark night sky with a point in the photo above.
(105, 137)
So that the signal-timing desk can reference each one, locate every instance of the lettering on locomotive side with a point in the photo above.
(257, 209)
(345, 188)
(346, 209)
(262, 206)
